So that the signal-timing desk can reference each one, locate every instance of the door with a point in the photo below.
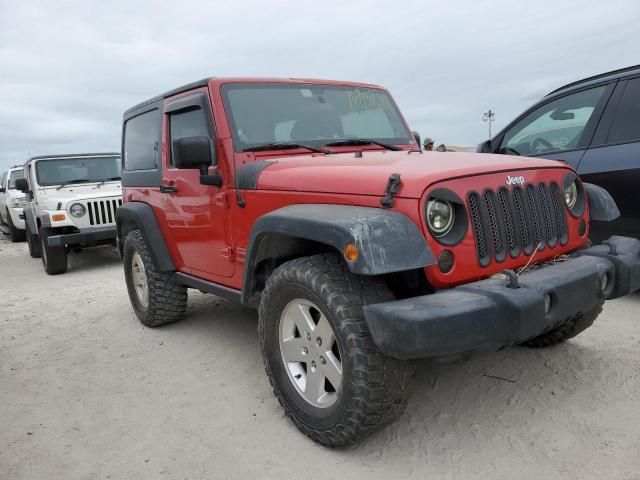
(197, 215)
(559, 129)
(613, 160)
(3, 197)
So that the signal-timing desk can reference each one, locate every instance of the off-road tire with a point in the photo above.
(167, 301)
(54, 259)
(375, 388)
(33, 242)
(15, 234)
(569, 329)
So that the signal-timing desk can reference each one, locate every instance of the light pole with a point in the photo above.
(489, 116)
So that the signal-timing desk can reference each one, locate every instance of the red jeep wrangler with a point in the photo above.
(311, 201)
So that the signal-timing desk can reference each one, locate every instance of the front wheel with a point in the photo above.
(33, 242)
(319, 356)
(156, 298)
(54, 259)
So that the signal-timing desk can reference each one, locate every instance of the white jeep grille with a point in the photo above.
(103, 212)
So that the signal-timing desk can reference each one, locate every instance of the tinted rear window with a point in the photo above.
(142, 141)
(626, 124)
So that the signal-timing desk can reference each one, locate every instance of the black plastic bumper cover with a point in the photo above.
(488, 315)
(84, 236)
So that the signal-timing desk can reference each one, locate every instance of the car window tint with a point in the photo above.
(555, 126)
(189, 123)
(626, 123)
(142, 141)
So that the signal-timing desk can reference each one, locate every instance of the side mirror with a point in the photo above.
(192, 152)
(195, 153)
(416, 135)
(485, 147)
(2, 189)
(22, 185)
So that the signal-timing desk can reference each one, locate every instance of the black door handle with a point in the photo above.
(168, 188)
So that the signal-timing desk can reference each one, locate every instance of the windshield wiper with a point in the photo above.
(112, 179)
(70, 182)
(361, 141)
(283, 146)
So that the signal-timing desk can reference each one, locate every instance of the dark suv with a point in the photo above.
(593, 125)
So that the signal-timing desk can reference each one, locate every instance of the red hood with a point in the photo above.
(368, 175)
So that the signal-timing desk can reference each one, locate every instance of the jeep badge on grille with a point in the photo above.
(515, 180)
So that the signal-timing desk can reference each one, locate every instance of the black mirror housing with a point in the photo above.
(192, 152)
(2, 189)
(485, 147)
(22, 185)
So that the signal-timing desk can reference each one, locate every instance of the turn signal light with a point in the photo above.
(351, 252)
(58, 217)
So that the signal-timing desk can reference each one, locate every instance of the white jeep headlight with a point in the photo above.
(77, 210)
(440, 216)
(571, 195)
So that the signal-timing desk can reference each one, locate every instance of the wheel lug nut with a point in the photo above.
(305, 350)
(308, 336)
(322, 360)
(319, 341)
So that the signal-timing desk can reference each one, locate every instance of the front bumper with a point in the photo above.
(85, 235)
(489, 315)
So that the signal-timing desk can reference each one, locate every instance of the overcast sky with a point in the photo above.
(68, 69)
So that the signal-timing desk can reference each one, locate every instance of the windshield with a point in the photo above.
(311, 114)
(77, 170)
(13, 176)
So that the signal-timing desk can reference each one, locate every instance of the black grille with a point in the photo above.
(103, 212)
(516, 221)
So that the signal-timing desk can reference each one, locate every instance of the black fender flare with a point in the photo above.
(140, 215)
(602, 206)
(30, 223)
(388, 241)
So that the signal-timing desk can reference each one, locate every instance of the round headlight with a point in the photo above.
(571, 195)
(440, 216)
(77, 210)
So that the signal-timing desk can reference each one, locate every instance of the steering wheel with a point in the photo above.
(540, 145)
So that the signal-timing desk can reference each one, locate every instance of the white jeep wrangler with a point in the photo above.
(72, 203)
(12, 201)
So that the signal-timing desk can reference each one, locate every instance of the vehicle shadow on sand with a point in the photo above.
(92, 258)
(484, 392)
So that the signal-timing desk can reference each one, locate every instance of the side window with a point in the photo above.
(3, 180)
(555, 126)
(142, 141)
(626, 122)
(187, 123)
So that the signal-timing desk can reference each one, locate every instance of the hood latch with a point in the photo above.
(393, 185)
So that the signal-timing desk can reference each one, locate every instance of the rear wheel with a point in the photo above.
(15, 233)
(569, 329)
(33, 243)
(156, 298)
(319, 356)
(54, 259)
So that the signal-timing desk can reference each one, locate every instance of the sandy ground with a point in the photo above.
(87, 393)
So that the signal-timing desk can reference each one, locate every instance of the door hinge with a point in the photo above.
(227, 252)
(221, 200)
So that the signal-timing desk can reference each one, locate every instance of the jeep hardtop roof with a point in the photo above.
(619, 73)
(220, 80)
(73, 155)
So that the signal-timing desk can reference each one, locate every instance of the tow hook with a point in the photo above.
(513, 278)
(393, 185)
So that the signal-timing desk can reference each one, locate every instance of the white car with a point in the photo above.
(12, 201)
(72, 203)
